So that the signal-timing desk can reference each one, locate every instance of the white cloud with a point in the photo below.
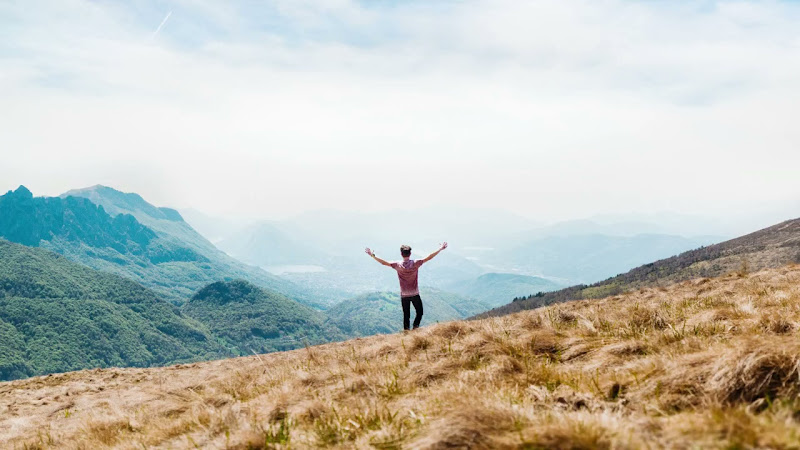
(552, 108)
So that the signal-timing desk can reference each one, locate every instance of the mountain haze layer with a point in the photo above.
(495, 289)
(771, 247)
(585, 258)
(264, 244)
(322, 250)
(179, 279)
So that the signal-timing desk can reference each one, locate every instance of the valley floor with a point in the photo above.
(707, 363)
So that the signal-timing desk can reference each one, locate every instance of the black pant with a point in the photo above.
(407, 310)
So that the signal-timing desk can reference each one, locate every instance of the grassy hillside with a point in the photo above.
(381, 312)
(495, 289)
(771, 247)
(708, 363)
(56, 315)
(183, 277)
(249, 319)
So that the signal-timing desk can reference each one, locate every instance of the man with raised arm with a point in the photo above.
(409, 287)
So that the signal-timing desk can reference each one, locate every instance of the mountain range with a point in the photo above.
(326, 246)
(768, 248)
(495, 289)
(586, 258)
(118, 281)
(121, 233)
(57, 315)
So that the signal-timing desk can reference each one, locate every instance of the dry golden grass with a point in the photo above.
(708, 363)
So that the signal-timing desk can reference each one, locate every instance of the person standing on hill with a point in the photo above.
(409, 287)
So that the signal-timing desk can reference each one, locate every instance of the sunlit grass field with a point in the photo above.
(706, 363)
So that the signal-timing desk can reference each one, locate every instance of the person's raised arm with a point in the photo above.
(372, 254)
(430, 257)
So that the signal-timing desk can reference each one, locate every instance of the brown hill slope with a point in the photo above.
(768, 248)
(707, 363)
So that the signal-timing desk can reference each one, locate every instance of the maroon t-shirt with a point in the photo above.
(407, 273)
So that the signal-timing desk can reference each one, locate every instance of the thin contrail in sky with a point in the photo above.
(161, 25)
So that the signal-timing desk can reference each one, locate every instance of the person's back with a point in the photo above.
(408, 275)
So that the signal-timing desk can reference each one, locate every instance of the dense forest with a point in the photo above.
(56, 315)
(164, 253)
(184, 278)
(248, 319)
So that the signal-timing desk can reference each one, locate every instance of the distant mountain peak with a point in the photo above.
(30, 221)
(22, 191)
(116, 201)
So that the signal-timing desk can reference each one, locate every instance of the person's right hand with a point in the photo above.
(443, 245)
(369, 252)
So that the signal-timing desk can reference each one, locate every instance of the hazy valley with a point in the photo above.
(97, 278)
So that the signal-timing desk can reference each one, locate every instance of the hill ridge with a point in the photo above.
(248, 318)
(171, 227)
(131, 200)
(148, 245)
(770, 247)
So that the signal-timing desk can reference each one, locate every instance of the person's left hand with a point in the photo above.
(443, 245)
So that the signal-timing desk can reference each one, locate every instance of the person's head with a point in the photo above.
(405, 251)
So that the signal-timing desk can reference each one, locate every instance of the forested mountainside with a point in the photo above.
(248, 319)
(57, 315)
(173, 264)
(29, 221)
(170, 226)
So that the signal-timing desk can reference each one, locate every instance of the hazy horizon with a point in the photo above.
(549, 110)
(668, 222)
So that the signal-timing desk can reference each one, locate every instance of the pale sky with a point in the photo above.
(552, 109)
